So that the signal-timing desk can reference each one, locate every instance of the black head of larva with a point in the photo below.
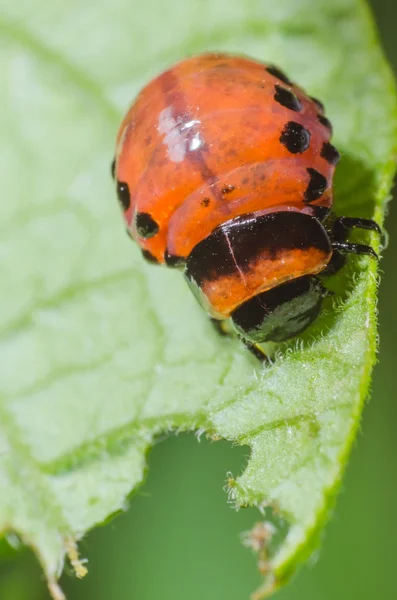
(145, 225)
(287, 98)
(123, 194)
(295, 137)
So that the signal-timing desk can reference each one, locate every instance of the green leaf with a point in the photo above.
(100, 352)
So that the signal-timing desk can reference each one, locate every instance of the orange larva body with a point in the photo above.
(201, 144)
(214, 141)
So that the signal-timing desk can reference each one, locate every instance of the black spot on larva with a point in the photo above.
(326, 122)
(287, 98)
(205, 202)
(279, 74)
(245, 181)
(228, 189)
(171, 260)
(149, 257)
(317, 186)
(330, 153)
(113, 168)
(295, 137)
(123, 194)
(145, 225)
(318, 103)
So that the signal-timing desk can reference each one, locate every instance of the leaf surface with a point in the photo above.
(100, 352)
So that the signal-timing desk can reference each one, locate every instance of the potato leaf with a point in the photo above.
(100, 352)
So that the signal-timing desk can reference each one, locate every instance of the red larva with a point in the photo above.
(224, 169)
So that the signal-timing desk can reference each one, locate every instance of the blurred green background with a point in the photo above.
(165, 543)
